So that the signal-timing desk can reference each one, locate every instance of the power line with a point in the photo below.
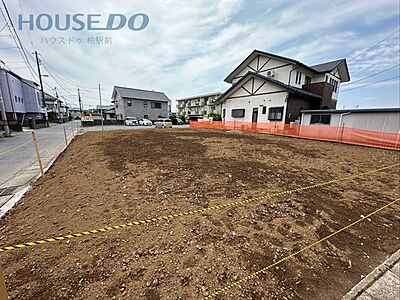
(371, 75)
(4, 27)
(22, 49)
(372, 83)
(68, 80)
(53, 77)
(11, 47)
(370, 48)
(19, 43)
(29, 34)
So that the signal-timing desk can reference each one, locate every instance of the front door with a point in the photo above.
(254, 117)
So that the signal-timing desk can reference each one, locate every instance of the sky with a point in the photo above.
(189, 47)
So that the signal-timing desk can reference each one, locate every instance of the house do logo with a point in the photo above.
(80, 22)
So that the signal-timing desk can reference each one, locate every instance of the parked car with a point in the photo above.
(177, 122)
(163, 123)
(145, 122)
(131, 121)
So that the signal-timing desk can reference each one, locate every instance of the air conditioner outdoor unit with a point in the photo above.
(270, 73)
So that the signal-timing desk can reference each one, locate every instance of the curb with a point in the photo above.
(16, 198)
(364, 284)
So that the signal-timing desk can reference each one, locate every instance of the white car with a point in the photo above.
(145, 122)
(131, 121)
(163, 123)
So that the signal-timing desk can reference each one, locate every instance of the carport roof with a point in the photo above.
(355, 110)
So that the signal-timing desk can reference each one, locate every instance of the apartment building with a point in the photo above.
(198, 107)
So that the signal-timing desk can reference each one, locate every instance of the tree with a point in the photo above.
(172, 117)
(183, 119)
(215, 116)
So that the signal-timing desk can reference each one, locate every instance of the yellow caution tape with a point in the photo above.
(263, 270)
(197, 211)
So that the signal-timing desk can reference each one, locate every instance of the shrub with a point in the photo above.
(215, 116)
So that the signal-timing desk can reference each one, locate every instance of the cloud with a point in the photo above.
(190, 46)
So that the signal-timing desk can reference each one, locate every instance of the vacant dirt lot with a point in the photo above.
(113, 178)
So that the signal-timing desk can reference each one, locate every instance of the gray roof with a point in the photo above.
(328, 66)
(321, 68)
(132, 93)
(30, 83)
(355, 110)
(288, 88)
(104, 107)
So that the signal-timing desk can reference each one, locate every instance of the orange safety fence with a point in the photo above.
(385, 140)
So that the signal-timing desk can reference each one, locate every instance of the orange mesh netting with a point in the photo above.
(386, 140)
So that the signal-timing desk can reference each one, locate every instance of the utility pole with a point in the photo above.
(58, 104)
(41, 89)
(80, 101)
(3, 113)
(101, 109)
(4, 117)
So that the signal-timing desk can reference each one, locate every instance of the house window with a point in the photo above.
(145, 104)
(320, 119)
(129, 103)
(16, 100)
(334, 83)
(264, 110)
(307, 80)
(223, 113)
(298, 77)
(204, 112)
(238, 113)
(155, 105)
(145, 116)
(326, 78)
(275, 113)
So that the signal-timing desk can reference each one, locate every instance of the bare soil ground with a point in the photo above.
(115, 177)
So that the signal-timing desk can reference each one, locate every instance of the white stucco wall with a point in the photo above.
(373, 121)
(248, 102)
(281, 74)
(287, 74)
(304, 72)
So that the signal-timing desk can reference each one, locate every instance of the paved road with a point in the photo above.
(18, 164)
(17, 153)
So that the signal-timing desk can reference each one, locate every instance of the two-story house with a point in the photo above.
(271, 88)
(141, 104)
(198, 107)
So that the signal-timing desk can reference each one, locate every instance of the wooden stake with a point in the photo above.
(3, 289)
(65, 137)
(37, 152)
